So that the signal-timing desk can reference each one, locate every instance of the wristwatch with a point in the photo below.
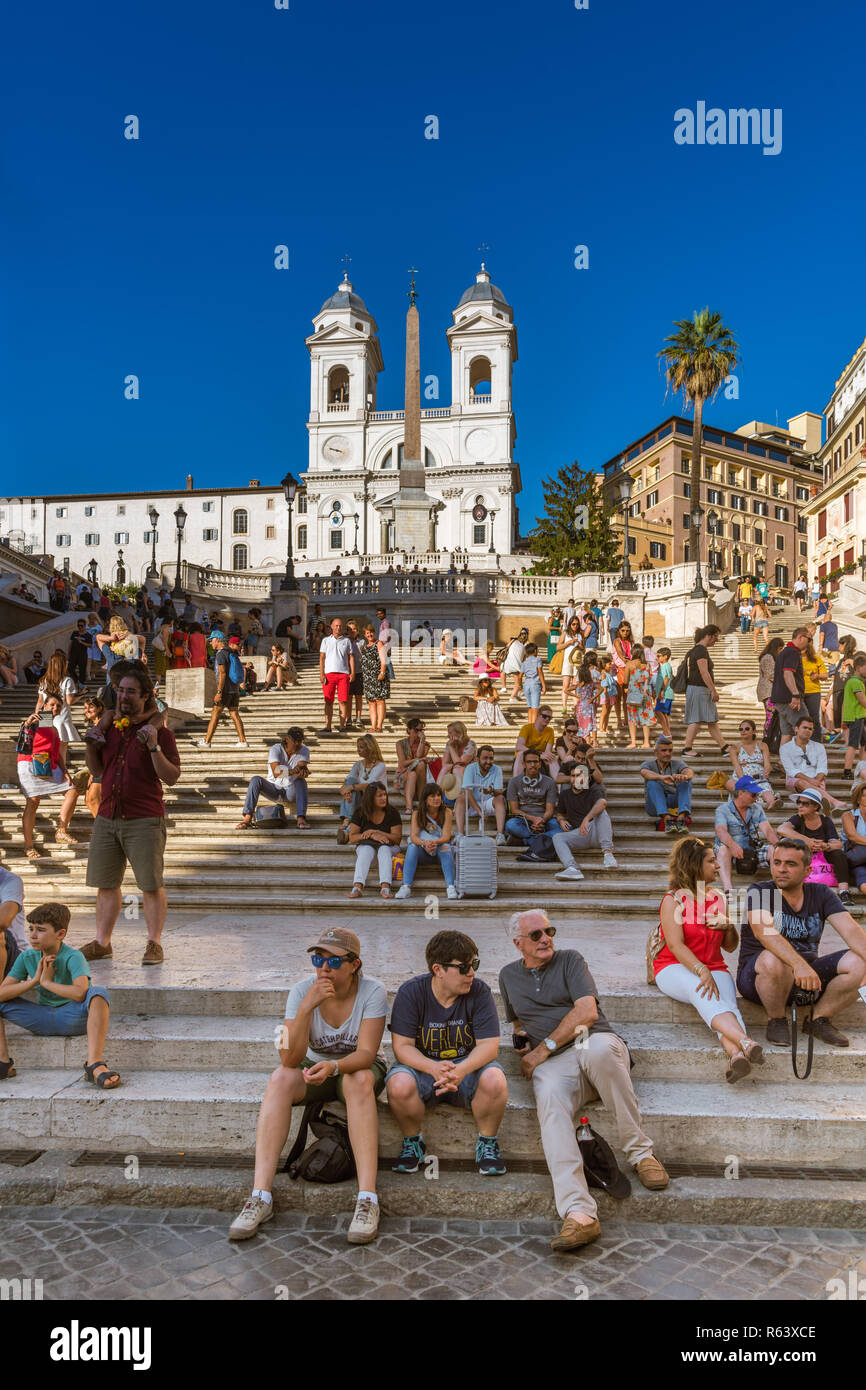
(336, 1071)
(549, 1044)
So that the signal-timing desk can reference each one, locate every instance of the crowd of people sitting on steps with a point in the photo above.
(552, 801)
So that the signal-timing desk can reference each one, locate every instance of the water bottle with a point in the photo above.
(584, 1132)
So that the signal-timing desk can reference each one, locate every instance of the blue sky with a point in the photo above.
(306, 127)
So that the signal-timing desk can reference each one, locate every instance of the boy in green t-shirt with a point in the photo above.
(66, 1003)
(854, 712)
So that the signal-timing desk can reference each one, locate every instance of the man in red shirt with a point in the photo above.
(132, 763)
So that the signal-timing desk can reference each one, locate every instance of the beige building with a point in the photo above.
(754, 483)
(836, 516)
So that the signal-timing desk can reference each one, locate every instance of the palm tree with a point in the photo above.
(697, 359)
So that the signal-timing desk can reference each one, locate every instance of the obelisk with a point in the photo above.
(412, 506)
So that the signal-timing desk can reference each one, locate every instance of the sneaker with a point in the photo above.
(673, 824)
(242, 743)
(202, 743)
(404, 892)
(847, 898)
(153, 954)
(847, 774)
(364, 1225)
(661, 823)
(685, 820)
(778, 1032)
(608, 862)
(822, 1029)
(488, 1159)
(451, 891)
(411, 1156)
(831, 738)
(255, 1213)
(501, 839)
(572, 875)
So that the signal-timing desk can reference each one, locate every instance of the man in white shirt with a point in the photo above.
(386, 637)
(483, 785)
(12, 908)
(288, 768)
(336, 672)
(805, 762)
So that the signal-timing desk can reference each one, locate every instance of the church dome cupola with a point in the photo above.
(483, 290)
(345, 298)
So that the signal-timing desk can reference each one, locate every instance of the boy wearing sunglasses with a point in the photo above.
(573, 1057)
(445, 1035)
(330, 1048)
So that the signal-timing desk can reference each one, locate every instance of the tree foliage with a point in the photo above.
(561, 543)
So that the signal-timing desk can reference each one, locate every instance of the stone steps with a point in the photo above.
(189, 1042)
(216, 1110)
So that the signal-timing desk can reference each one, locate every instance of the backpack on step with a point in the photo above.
(329, 1158)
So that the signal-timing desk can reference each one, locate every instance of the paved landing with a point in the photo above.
(124, 1254)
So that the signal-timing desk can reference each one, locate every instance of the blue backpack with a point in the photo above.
(236, 669)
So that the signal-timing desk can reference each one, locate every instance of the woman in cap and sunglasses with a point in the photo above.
(330, 1048)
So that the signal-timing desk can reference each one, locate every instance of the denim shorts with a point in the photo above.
(425, 1083)
(825, 967)
(50, 1021)
(532, 691)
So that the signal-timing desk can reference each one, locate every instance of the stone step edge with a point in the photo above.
(50, 1181)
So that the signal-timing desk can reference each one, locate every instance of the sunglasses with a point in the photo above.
(537, 935)
(334, 961)
(464, 966)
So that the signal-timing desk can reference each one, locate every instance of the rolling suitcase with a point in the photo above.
(476, 872)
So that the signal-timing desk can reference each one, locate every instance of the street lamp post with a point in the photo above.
(180, 522)
(492, 548)
(290, 491)
(626, 582)
(697, 517)
(737, 561)
(152, 571)
(712, 523)
(121, 568)
(356, 518)
(92, 570)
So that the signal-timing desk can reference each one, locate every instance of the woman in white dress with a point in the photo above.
(488, 715)
(57, 682)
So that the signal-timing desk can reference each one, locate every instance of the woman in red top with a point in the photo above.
(42, 772)
(197, 646)
(695, 928)
(179, 649)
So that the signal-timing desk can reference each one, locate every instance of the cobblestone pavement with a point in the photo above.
(128, 1253)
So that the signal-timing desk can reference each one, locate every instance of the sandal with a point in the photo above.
(303, 823)
(33, 853)
(385, 892)
(104, 1079)
(356, 892)
(753, 1052)
(243, 825)
(7, 1069)
(63, 837)
(738, 1067)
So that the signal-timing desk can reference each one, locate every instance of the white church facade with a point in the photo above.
(341, 514)
(355, 449)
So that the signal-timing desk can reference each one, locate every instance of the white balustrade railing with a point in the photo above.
(337, 405)
(480, 400)
(198, 579)
(395, 586)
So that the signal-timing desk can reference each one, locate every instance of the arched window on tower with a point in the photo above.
(338, 389)
(480, 383)
(388, 460)
(240, 557)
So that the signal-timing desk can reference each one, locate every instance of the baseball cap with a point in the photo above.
(748, 784)
(234, 641)
(337, 936)
(217, 636)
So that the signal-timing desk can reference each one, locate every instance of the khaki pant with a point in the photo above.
(563, 1087)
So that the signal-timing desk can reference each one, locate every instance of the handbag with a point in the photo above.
(397, 862)
(655, 943)
(40, 765)
(748, 865)
(540, 850)
(24, 741)
(773, 736)
(680, 682)
(555, 664)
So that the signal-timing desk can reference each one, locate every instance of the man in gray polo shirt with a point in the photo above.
(574, 1058)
